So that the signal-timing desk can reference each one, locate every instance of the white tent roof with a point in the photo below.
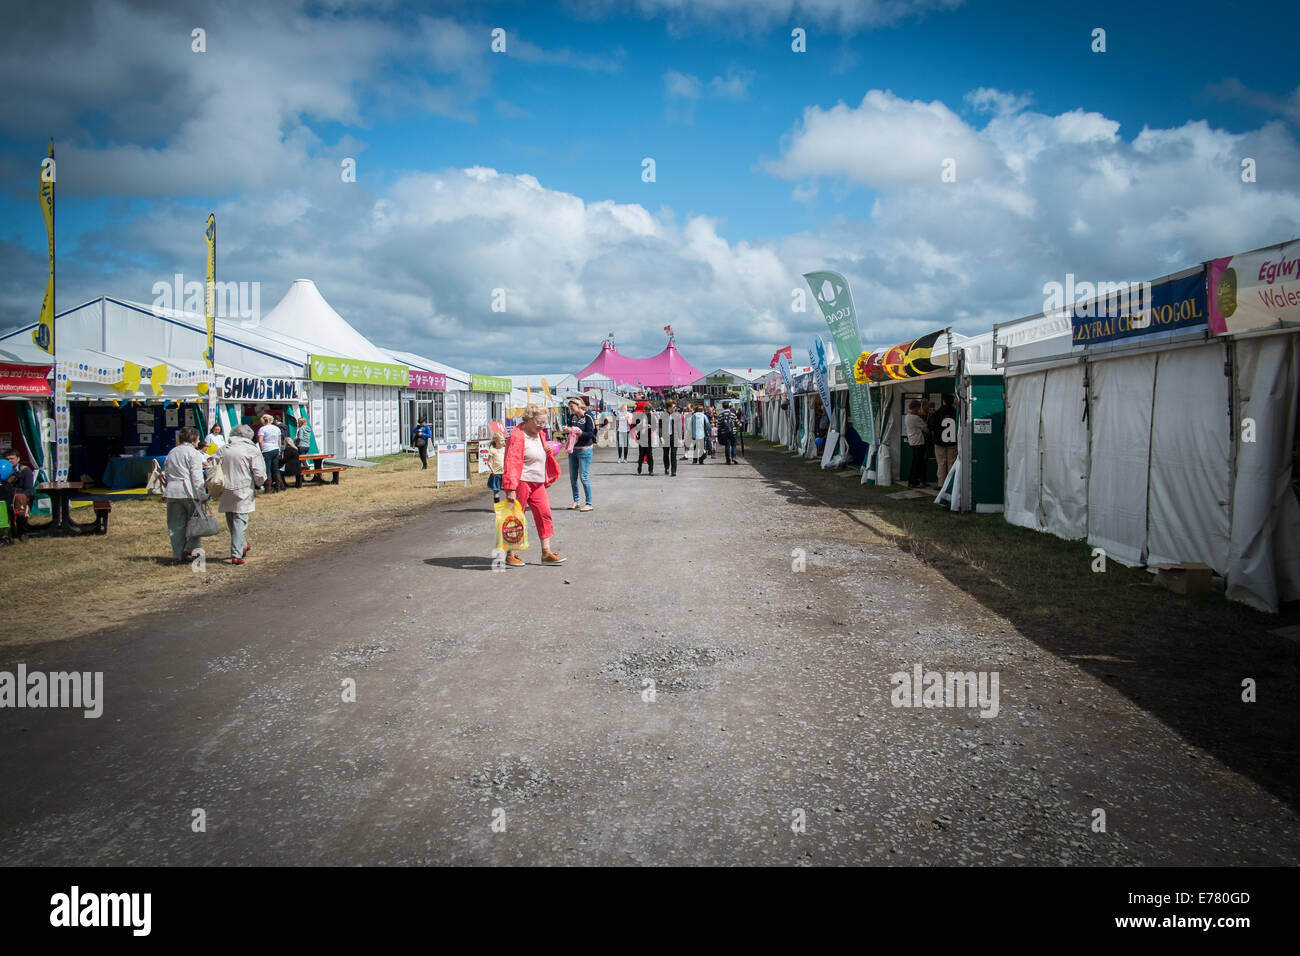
(17, 352)
(304, 314)
(459, 376)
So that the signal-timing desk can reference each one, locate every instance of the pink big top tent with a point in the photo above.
(665, 370)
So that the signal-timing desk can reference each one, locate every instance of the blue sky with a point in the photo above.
(769, 163)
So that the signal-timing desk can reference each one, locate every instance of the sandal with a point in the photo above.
(573, 507)
(586, 508)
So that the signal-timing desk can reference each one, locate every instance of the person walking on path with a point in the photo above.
(670, 435)
(728, 426)
(624, 431)
(916, 431)
(943, 431)
(530, 469)
(421, 435)
(699, 430)
(269, 439)
(496, 465)
(646, 439)
(740, 417)
(244, 468)
(584, 446)
(183, 491)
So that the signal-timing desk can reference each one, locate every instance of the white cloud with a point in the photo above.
(883, 142)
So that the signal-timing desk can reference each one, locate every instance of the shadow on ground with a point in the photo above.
(1181, 658)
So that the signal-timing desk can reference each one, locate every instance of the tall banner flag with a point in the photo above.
(209, 291)
(831, 290)
(546, 390)
(43, 334)
(817, 359)
(788, 352)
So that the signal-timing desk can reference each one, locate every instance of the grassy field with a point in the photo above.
(1183, 658)
(64, 587)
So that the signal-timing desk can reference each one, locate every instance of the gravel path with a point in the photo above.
(518, 696)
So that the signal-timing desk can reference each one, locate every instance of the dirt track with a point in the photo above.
(523, 690)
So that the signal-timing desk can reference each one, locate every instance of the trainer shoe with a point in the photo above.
(236, 560)
(550, 557)
(514, 561)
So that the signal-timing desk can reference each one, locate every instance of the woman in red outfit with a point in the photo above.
(530, 470)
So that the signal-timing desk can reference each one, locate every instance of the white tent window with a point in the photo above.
(1064, 444)
(1264, 554)
(1191, 459)
(1024, 406)
(1121, 439)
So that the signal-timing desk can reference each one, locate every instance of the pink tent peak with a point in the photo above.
(665, 370)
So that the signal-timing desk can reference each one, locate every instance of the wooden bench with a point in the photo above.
(324, 471)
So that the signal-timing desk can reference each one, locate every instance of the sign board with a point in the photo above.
(982, 426)
(24, 379)
(489, 383)
(331, 368)
(452, 462)
(427, 381)
(1255, 289)
(261, 389)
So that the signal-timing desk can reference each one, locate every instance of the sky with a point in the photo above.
(949, 158)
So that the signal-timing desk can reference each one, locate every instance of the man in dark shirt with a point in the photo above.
(943, 432)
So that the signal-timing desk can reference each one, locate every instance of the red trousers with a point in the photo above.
(532, 494)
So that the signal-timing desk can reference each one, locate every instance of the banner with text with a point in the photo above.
(1144, 309)
(331, 368)
(489, 383)
(427, 381)
(831, 290)
(1255, 289)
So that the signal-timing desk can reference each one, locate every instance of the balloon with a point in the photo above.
(6, 469)
(819, 441)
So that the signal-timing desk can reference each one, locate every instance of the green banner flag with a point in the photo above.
(831, 290)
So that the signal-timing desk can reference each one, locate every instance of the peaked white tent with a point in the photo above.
(303, 314)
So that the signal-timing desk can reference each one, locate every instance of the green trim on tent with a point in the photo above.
(200, 418)
(31, 429)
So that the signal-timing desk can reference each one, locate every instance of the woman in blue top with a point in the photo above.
(420, 437)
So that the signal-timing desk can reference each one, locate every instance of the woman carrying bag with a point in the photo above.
(183, 491)
(244, 467)
(530, 470)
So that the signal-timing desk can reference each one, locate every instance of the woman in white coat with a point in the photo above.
(183, 491)
(245, 469)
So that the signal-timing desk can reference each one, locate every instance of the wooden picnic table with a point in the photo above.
(61, 523)
(319, 469)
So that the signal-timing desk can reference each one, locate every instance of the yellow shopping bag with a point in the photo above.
(512, 530)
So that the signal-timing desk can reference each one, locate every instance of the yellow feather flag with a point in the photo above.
(43, 334)
(209, 290)
(546, 390)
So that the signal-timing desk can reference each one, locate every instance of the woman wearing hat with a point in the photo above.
(582, 426)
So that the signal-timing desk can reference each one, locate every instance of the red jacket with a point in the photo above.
(515, 461)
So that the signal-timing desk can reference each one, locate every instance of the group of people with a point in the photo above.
(248, 463)
(692, 429)
(186, 477)
(931, 430)
(525, 464)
